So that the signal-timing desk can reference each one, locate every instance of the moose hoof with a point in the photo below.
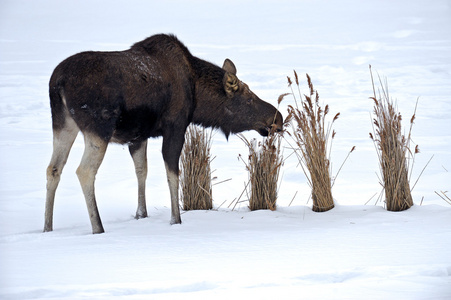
(141, 215)
(176, 221)
(98, 230)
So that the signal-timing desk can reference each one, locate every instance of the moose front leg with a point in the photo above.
(173, 182)
(138, 151)
(172, 147)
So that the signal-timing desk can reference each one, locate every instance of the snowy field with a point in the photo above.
(358, 250)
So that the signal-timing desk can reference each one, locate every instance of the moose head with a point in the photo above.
(233, 107)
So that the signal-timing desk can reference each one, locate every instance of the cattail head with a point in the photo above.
(296, 77)
(375, 101)
(279, 100)
(310, 85)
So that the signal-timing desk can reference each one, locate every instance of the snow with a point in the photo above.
(351, 252)
(354, 251)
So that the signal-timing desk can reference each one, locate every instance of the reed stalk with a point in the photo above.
(393, 149)
(264, 164)
(195, 179)
(313, 141)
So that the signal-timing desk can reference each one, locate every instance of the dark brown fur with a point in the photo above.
(156, 88)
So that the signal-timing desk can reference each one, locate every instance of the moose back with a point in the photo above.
(155, 88)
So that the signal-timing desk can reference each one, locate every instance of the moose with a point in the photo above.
(155, 88)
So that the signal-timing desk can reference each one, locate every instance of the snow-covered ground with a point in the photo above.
(354, 251)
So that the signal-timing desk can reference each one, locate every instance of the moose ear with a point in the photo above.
(229, 66)
(230, 84)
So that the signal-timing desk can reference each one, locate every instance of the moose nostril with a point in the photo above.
(275, 128)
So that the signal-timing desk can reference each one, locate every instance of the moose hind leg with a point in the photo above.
(93, 155)
(63, 140)
(138, 151)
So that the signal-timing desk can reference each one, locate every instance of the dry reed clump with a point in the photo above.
(393, 148)
(264, 164)
(312, 136)
(195, 181)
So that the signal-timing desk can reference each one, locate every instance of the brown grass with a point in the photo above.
(264, 164)
(444, 196)
(313, 138)
(392, 149)
(195, 180)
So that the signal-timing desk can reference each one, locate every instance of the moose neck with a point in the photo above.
(209, 95)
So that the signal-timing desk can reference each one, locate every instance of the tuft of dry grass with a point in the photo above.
(393, 148)
(264, 164)
(313, 138)
(195, 180)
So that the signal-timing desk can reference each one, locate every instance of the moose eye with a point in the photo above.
(250, 100)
